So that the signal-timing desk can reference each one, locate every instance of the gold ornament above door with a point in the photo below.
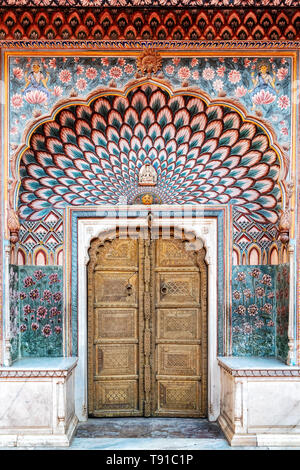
(147, 328)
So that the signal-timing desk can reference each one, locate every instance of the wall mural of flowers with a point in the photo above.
(258, 294)
(261, 84)
(40, 311)
(14, 311)
(282, 311)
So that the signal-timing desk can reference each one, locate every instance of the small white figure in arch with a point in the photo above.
(147, 175)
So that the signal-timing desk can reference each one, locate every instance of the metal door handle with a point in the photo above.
(129, 289)
(163, 289)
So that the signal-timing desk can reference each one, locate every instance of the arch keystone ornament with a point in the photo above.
(149, 62)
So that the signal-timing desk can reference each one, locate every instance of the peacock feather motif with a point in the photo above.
(203, 154)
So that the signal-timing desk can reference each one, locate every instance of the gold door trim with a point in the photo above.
(152, 361)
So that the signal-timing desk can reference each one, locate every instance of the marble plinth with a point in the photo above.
(260, 403)
(37, 402)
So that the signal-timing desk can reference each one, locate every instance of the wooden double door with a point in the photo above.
(147, 329)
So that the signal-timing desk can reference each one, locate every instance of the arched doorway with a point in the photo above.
(147, 327)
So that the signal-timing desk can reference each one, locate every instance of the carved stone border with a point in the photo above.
(259, 372)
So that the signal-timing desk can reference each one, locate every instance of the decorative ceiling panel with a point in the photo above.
(153, 3)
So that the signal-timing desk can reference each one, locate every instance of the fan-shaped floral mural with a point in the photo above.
(202, 153)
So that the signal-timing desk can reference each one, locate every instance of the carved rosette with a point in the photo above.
(149, 62)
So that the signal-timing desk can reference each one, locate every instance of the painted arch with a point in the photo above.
(204, 152)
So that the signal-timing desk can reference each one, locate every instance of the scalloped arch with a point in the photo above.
(89, 152)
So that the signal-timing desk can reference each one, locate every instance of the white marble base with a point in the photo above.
(260, 403)
(37, 402)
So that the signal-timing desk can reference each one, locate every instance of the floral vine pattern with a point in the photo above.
(14, 311)
(282, 311)
(41, 311)
(260, 311)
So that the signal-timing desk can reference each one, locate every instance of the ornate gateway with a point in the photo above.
(147, 327)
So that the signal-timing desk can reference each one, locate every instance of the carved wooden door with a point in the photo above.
(179, 325)
(146, 328)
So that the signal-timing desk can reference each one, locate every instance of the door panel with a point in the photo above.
(177, 288)
(147, 329)
(177, 378)
(178, 324)
(178, 359)
(111, 288)
(115, 352)
(178, 398)
(115, 397)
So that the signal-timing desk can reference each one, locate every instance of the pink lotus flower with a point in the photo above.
(208, 73)
(169, 69)
(103, 74)
(263, 97)
(221, 70)
(116, 72)
(234, 76)
(184, 73)
(121, 61)
(79, 69)
(18, 73)
(240, 91)
(218, 84)
(17, 101)
(195, 75)
(91, 73)
(284, 131)
(57, 91)
(128, 69)
(176, 61)
(81, 84)
(36, 97)
(247, 62)
(105, 61)
(282, 73)
(194, 62)
(283, 102)
(65, 76)
(52, 63)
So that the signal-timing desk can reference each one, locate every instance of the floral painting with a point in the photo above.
(282, 311)
(261, 84)
(41, 311)
(14, 311)
(259, 310)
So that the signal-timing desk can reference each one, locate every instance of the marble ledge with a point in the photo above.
(40, 367)
(257, 367)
